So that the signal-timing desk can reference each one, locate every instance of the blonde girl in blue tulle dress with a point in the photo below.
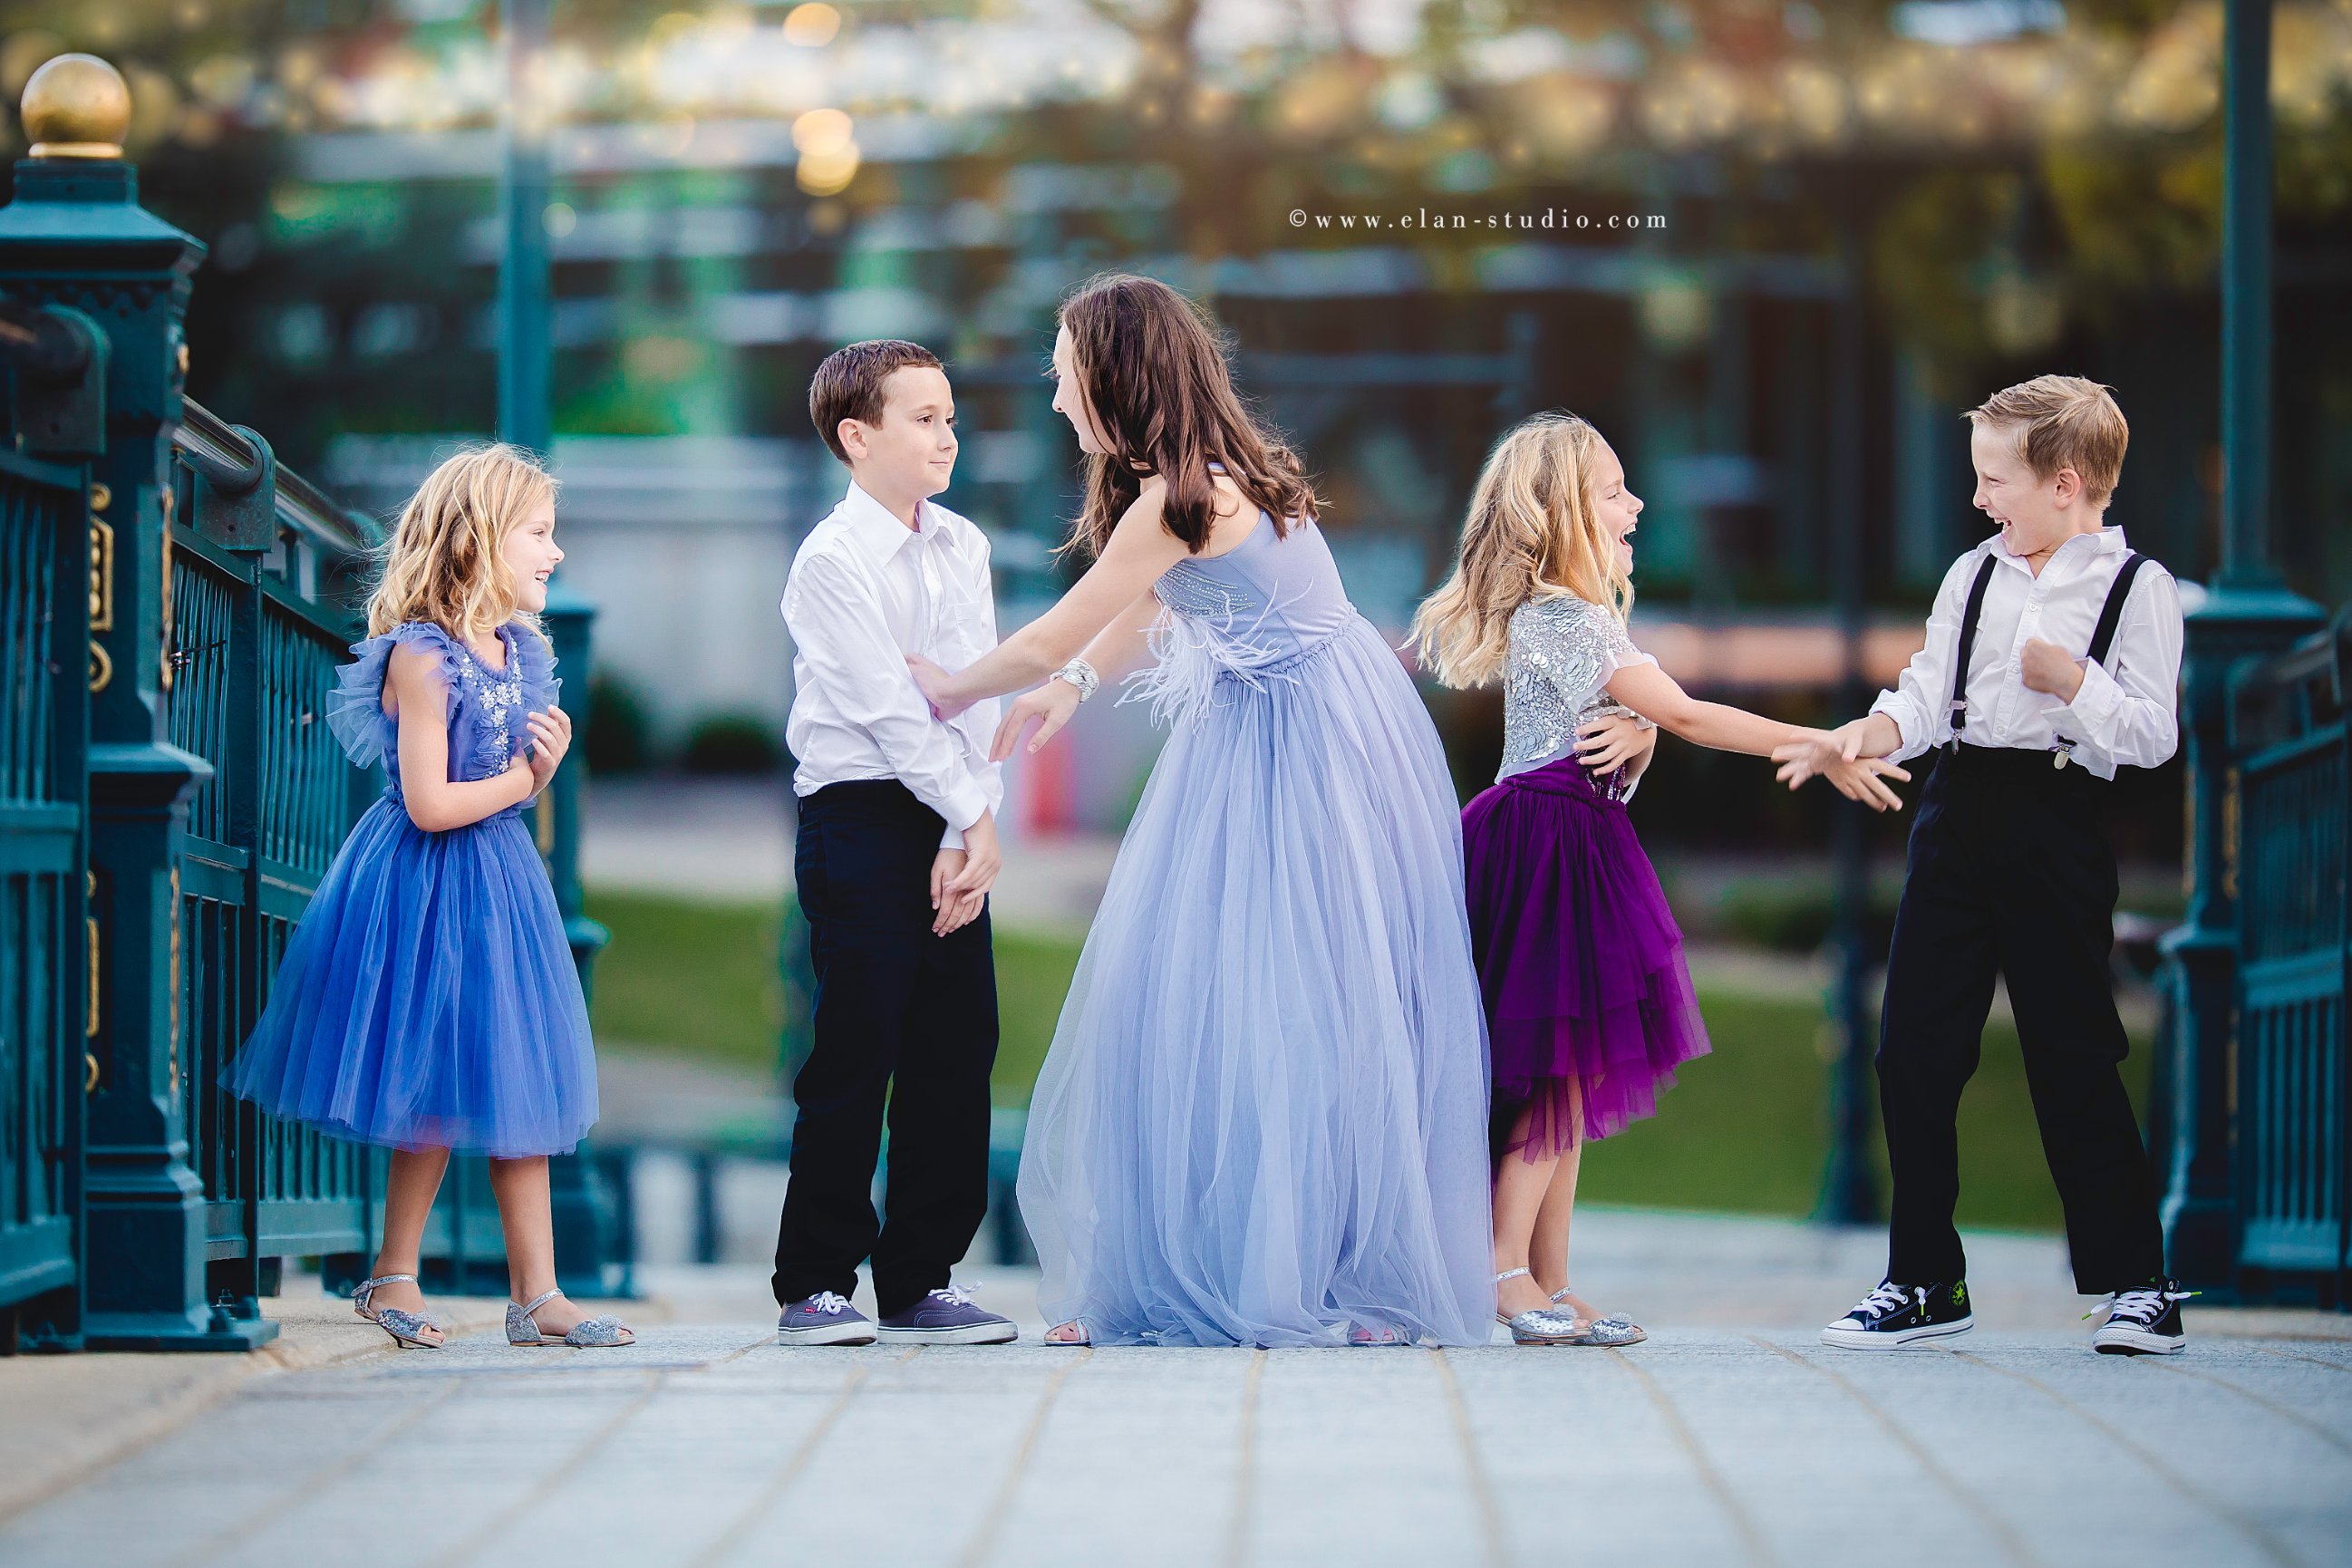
(428, 1000)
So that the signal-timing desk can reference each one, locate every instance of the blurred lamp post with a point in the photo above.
(1849, 1187)
(2247, 611)
(586, 1248)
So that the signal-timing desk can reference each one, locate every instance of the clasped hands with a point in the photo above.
(1837, 756)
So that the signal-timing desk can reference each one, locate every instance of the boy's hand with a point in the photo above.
(1608, 743)
(550, 738)
(963, 893)
(1872, 736)
(1049, 707)
(2046, 667)
(1865, 780)
(933, 681)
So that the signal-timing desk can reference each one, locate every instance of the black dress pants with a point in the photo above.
(903, 1019)
(2009, 872)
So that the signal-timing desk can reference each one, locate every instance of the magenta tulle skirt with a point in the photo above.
(1589, 1002)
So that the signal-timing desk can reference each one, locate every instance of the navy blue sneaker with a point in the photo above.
(1896, 1315)
(946, 1317)
(824, 1319)
(2144, 1321)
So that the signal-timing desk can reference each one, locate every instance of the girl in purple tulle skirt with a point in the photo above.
(1589, 1002)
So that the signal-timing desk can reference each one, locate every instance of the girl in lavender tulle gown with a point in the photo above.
(1262, 1119)
(1588, 1003)
(427, 999)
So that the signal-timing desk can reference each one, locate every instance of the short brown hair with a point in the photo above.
(2062, 422)
(848, 384)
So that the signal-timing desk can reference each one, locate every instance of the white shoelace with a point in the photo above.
(1886, 1299)
(2142, 1306)
(826, 1301)
(953, 1295)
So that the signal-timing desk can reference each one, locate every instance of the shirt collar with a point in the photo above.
(2108, 541)
(877, 531)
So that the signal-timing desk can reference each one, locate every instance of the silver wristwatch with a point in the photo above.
(1081, 675)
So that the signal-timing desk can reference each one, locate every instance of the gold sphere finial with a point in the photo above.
(76, 106)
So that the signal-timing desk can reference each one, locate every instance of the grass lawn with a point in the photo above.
(1744, 1130)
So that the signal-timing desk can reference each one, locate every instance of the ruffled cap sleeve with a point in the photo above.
(355, 707)
(536, 668)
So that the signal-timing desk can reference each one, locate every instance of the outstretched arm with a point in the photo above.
(1117, 648)
(1659, 698)
(1139, 551)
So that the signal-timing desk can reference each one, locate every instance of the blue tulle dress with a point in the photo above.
(1264, 1115)
(427, 995)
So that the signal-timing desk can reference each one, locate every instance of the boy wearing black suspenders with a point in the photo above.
(2051, 659)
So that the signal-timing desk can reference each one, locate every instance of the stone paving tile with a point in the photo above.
(1719, 1442)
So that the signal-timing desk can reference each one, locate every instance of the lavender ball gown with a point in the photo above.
(1264, 1115)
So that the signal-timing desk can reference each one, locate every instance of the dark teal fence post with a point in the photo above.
(590, 1253)
(76, 235)
(2248, 611)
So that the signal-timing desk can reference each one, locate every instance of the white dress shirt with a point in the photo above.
(2124, 716)
(865, 591)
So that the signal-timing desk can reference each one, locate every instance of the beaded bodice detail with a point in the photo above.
(485, 708)
(1562, 652)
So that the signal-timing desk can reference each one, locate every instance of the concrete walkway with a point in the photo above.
(1732, 1437)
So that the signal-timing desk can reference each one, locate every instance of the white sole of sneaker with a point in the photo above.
(2137, 1342)
(1867, 1339)
(973, 1334)
(829, 1334)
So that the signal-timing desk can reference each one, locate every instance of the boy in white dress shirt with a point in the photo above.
(897, 850)
(2052, 659)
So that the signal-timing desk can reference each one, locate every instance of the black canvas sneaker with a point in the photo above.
(1896, 1315)
(2144, 1321)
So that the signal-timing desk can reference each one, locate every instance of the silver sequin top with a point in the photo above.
(1563, 651)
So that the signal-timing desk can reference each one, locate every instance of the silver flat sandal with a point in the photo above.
(1613, 1332)
(1541, 1325)
(588, 1333)
(407, 1329)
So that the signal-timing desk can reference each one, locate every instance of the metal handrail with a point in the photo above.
(302, 506)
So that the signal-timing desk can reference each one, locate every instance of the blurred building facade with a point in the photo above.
(1418, 219)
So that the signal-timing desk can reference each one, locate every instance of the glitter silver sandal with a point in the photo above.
(1613, 1332)
(588, 1333)
(407, 1329)
(1541, 1325)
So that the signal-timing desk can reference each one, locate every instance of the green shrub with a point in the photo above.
(618, 737)
(730, 743)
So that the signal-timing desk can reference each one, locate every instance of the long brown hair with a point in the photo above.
(1531, 534)
(1153, 371)
(442, 563)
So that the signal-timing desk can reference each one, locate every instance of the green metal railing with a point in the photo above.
(2287, 733)
(173, 606)
(44, 952)
(260, 613)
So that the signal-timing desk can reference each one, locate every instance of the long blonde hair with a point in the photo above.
(443, 563)
(1532, 534)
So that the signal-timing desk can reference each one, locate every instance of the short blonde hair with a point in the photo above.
(442, 562)
(1531, 534)
(2062, 422)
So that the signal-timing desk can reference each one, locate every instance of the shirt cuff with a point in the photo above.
(965, 804)
(1909, 730)
(2096, 701)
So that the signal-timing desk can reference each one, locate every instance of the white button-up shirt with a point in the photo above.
(865, 591)
(2124, 716)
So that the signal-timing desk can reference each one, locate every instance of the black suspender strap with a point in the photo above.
(1968, 644)
(2111, 614)
(2103, 637)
